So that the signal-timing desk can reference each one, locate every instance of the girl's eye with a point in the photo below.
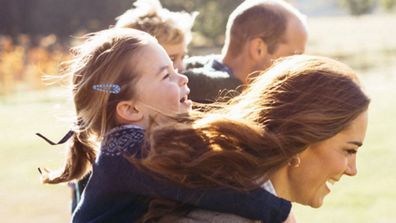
(166, 76)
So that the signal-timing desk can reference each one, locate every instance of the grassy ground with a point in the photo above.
(366, 43)
(23, 197)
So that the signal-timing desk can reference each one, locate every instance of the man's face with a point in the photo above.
(295, 39)
(293, 42)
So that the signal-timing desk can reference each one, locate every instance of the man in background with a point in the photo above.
(257, 33)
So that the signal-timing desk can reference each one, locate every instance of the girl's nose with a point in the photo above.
(183, 79)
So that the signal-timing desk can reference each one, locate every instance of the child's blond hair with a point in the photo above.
(167, 26)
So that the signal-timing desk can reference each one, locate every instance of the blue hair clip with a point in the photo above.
(109, 88)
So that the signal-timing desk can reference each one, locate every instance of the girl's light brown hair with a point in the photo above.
(106, 57)
(299, 101)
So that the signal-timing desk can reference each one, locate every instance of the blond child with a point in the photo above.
(172, 29)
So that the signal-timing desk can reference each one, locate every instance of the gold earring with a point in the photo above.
(295, 161)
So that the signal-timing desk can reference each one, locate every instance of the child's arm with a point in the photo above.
(257, 204)
(121, 175)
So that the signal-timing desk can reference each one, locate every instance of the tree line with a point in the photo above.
(67, 17)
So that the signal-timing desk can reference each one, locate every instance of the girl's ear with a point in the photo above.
(258, 49)
(126, 112)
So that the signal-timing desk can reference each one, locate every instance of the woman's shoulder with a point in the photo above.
(206, 216)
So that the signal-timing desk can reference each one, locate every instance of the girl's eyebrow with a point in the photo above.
(162, 69)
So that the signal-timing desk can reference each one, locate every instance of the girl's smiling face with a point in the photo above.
(160, 89)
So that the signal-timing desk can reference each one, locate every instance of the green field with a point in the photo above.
(23, 197)
(366, 43)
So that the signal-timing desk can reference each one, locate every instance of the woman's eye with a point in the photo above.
(351, 151)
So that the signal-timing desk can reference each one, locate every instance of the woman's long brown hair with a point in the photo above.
(300, 100)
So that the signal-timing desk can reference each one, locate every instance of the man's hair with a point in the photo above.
(266, 19)
(149, 16)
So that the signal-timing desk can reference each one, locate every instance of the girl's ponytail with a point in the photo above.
(79, 160)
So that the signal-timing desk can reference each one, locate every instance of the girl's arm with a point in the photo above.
(122, 176)
(258, 204)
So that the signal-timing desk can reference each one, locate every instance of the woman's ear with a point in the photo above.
(258, 49)
(126, 112)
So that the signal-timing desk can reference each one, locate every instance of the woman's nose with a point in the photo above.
(351, 168)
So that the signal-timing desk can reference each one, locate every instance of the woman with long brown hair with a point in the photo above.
(295, 131)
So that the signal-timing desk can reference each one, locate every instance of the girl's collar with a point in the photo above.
(122, 139)
(122, 127)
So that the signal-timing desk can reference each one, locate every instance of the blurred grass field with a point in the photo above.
(367, 43)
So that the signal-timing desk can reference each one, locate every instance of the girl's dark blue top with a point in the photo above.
(117, 191)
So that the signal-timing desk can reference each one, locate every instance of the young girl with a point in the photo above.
(171, 29)
(123, 82)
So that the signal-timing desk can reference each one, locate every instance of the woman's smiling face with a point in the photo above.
(324, 163)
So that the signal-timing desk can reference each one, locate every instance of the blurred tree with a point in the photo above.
(67, 17)
(358, 7)
(212, 18)
(15, 16)
(61, 17)
(388, 5)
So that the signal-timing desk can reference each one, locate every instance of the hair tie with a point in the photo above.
(63, 140)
